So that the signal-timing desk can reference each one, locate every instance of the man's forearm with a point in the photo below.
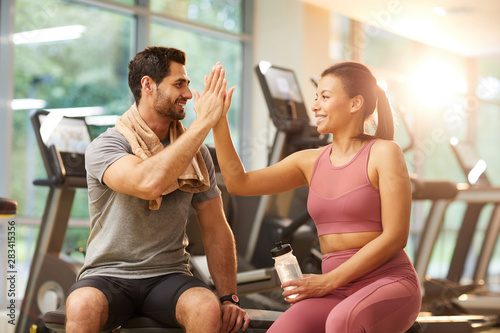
(221, 257)
(166, 166)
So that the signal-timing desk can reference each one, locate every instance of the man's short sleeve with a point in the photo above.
(103, 151)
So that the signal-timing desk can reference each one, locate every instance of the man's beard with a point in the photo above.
(166, 107)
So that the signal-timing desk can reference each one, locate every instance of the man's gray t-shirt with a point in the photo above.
(127, 239)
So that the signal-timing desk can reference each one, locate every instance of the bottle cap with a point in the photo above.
(281, 249)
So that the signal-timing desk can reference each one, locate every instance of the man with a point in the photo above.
(136, 261)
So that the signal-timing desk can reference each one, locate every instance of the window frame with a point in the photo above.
(144, 17)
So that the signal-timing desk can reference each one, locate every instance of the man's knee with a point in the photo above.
(87, 303)
(211, 311)
(199, 306)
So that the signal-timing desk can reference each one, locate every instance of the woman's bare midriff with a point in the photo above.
(339, 242)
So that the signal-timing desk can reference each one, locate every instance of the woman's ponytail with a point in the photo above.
(385, 124)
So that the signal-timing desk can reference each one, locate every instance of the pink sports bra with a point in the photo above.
(342, 199)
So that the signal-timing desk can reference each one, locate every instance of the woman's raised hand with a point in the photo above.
(209, 105)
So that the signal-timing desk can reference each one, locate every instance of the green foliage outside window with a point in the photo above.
(92, 71)
(220, 14)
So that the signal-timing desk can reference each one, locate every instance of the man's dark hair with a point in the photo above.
(154, 62)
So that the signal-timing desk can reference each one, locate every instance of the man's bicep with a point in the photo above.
(120, 175)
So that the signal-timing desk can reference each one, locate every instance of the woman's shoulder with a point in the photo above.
(312, 153)
(386, 147)
(385, 152)
(305, 158)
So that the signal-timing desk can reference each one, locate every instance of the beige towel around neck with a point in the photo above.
(145, 143)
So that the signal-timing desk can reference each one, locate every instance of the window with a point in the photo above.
(488, 115)
(60, 62)
(488, 118)
(384, 49)
(125, 2)
(221, 14)
(199, 63)
(73, 55)
(339, 48)
(487, 135)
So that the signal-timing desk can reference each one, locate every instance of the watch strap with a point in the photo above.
(233, 298)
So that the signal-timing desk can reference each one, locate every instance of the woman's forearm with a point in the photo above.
(230, 164)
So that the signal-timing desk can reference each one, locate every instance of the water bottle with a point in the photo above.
(286, 264)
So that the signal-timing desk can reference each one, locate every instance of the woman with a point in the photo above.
(360, 201)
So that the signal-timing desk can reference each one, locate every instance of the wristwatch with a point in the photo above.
(231, 298)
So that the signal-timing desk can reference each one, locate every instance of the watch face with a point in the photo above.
(235, 298)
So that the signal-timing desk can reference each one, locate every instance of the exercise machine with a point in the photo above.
(449, 296)
(440, 312)
(478, 193)
(61, 141)
(8, 207)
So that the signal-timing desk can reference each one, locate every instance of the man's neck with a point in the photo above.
(157, 122)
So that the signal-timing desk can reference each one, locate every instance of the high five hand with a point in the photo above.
(209, 104)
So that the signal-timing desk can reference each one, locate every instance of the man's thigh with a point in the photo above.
(117, 293)
(162, 299)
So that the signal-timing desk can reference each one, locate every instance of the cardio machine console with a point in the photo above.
(283, 97)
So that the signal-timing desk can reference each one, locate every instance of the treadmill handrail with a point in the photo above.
(437, 189)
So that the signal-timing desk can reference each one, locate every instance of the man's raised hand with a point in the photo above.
(209, 104)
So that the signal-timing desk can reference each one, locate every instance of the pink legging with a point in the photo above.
(386, 300)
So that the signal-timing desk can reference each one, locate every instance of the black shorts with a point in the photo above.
(154, 297)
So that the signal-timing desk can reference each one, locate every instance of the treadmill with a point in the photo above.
(477, 193)
(62, 142)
